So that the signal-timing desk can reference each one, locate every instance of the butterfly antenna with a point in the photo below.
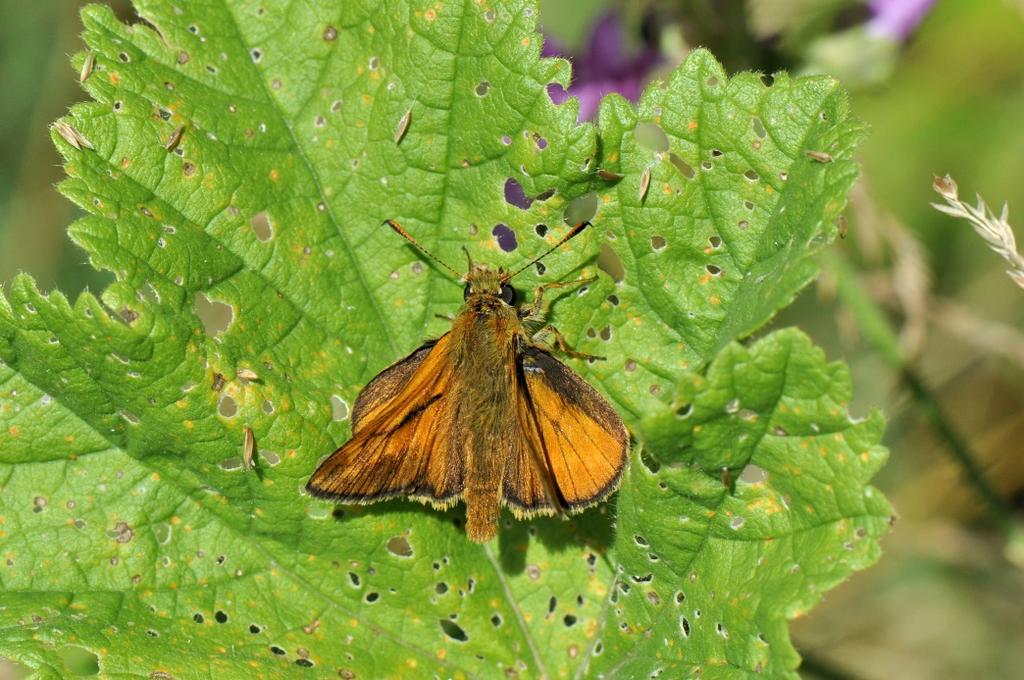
(572, 232)
(408, 237)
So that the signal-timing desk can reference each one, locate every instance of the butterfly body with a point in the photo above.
(483, 414)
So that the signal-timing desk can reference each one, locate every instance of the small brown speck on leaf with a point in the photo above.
(72, 136)
(87, 66)
(645, 183)
(175, 138)
(403, 125)
(248, 447)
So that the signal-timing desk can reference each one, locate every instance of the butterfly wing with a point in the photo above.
(573, 444)
(401, 427)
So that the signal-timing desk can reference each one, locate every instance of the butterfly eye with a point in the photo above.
(465, 292)
(508, 294)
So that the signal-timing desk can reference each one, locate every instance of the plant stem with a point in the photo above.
(878, 330)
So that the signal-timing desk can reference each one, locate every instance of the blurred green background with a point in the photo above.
(943, 93)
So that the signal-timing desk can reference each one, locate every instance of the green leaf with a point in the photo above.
(760, 505)
(236, 164)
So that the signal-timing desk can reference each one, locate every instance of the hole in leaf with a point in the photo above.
(752, 474)
(758, 127)
(651, 136)
(220, 617)
(271, 457)
(399, 547)
(277, 650)
(453, 630)
(262, 227)
(230, 464)
(255, 629)
(372, 597)
(339, 409)
(215, 315)
(569, 620)
(714, 270)
(658, 242)
(608, 261)
(515, 195)
(556, 93)
(227, 406)
(581, 209)
(649, 462)
(482, 89)
(505, 237)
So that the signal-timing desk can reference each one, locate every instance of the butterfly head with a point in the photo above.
(481, 280)
(484, 284)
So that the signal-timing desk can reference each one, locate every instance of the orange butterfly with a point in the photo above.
(485, 414)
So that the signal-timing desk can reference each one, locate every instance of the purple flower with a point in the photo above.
(603, 67)
(897, 19)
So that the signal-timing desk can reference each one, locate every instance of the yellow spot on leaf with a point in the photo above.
(14, 430)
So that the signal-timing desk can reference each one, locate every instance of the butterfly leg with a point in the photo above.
(562, 345)
(535, 309)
